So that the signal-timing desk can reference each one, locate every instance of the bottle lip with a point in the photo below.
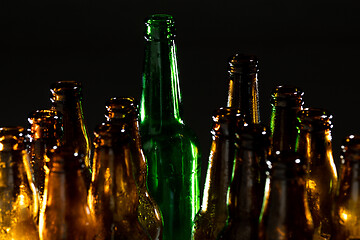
(159, 27)
(350, 148)
(67, 84)
(242, 63)
(12, 138)
(43, 115)
(60, 89)
(312, 119)
(287, 96)
(121, 107)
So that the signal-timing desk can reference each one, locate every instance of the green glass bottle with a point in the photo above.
(171, 148)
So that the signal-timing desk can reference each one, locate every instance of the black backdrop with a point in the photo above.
(310, 44)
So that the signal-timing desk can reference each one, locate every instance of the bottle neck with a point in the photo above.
(74, 127)
(284, 129)
(161, 98)
(316, 146)
(243, 94)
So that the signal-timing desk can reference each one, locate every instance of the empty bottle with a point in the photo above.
(346, 208)
(170, 147)
(286, 102)
(65, 214)
(248, 183)
(243, 92)
(213, 215)
(19, 199)
(316, 146)
(285, 213)
(114, 194)
(45, 134)
(66, 98)
(120, 112)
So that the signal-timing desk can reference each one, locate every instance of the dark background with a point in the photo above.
(313, 45)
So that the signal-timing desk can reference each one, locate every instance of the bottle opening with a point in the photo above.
(159, 27)
(242, 63)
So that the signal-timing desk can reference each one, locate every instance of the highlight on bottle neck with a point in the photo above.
(62, 90)
(226, 120)
(12, 138)
(159, 27)
(287, 96)
(121, 108)
(243, 64)
(315, 119)
(350, 149)
(45, 124)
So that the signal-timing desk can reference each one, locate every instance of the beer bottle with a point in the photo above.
(19, 199)
(243, 91)
(346, 207)
(286, 102)
(125, 110)
(65, 213)
(212, 217)
(321, 180)
(285, 213)
(248, 184)
(45, 134)
(114, 194)
(170, 147)
(66, 97)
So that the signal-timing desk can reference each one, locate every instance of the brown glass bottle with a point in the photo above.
(346, 208)
(321, 180)
(125, 109)
(212, 217)
(19, 200)
(66, 98)
(285, 214)
(115, 196)
(248, 183)
(243, 91)
(65, 214)
(286, 102)
(45, 134)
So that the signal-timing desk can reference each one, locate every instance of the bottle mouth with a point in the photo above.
(242, 63)
(43, 115)
(159, 27)
(287, 96)
(12, 138)
(60, 89)
(350, 149)
(315, 118)
(121, 107)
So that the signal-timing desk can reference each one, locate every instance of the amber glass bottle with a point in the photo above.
(122, 111)
(212, 217)
(286, 102)
(346, 208)
(243, 91)
(66, 98)
(65, 214)
(248, 183)
(114, 195)
(19, 200)
(285, 213)
(45, 134)
(321, 181)
(171, 148)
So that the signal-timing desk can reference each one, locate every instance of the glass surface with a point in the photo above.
(170, 147)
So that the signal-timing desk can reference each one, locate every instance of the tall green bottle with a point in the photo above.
(170, 147)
